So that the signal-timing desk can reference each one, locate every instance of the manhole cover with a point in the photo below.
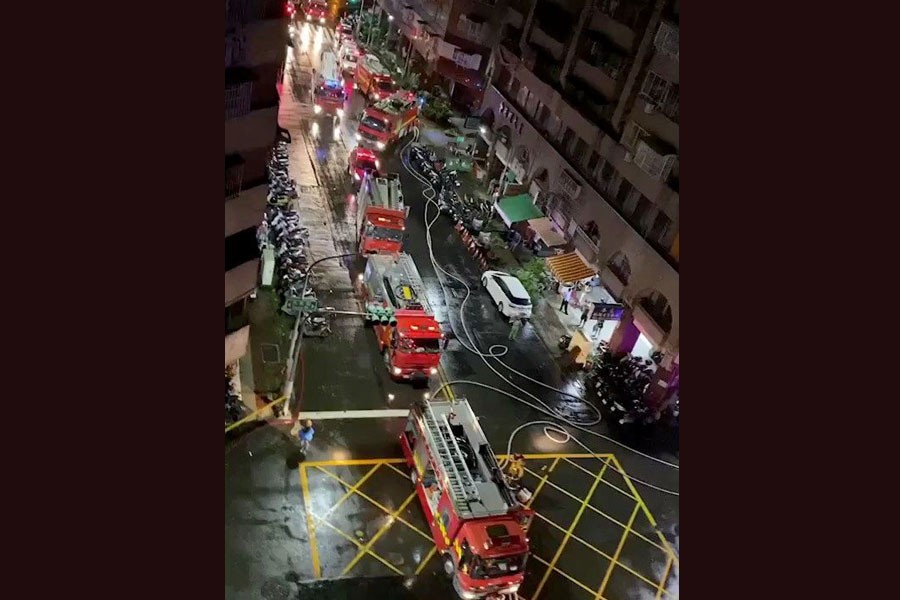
(270, 353)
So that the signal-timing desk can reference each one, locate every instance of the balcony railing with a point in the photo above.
(575, 163)
(237, 100)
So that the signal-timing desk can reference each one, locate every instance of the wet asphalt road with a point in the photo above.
(267, 540)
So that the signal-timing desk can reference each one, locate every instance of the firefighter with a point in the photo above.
(515, 470)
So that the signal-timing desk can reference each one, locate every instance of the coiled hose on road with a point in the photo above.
(497, 351)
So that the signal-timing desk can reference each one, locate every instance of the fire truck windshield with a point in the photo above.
(488, 568)
(427, 346)
(373, 123)
(385, 85)
(384, 233)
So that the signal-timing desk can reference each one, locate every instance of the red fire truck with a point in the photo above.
(409, 337)
(388, 120)
(381, 215)
(329, 94)
(373, 80)
(315, 11)
(477, 524)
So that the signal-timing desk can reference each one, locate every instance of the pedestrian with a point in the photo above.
(585, 313)
(306, 435)
(567, 295)
(515, 328)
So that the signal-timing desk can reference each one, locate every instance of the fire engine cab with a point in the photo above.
(388, 120)
(329, 92)
(373, 80)
(409, 337)
(477, 524)
(382, 215)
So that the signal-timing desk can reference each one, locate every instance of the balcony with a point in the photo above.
(600, 51)
(576, 164)
(511, 40)
(666, 40)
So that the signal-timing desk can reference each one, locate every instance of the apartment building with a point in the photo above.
(582, 110)
(255, 49)
(452, 39)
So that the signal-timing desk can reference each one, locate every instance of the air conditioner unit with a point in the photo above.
(650, 108)
(628, 156)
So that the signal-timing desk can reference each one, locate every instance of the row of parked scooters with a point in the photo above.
(281, 228)
(234, 408)
(472, 212)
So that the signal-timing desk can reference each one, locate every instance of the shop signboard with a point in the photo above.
(607, 312)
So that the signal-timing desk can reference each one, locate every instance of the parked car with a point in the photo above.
(508, 294)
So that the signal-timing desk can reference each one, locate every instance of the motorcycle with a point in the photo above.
(316, 326)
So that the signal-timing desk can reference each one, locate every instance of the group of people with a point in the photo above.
(568, 296)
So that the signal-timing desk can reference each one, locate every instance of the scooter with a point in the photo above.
(316, 326)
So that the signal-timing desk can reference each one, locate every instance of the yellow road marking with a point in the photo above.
(600, 552)
(540, 485)
(358, 545)
(351, 491)
(666, 547)
(562, 546)
(428, 556)
(378, 504)
(442, 377)
(662, 582)
(396, 470)
(368, 547)
(610, 484)
(612, 565)
(600, 512)
(254, 414)
(550, 569)
(310, 526)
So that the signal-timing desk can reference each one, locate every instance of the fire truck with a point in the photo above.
(373, 79)
(381, 215)
(409, 337)
(315, 11)
(329, 93)
(477, 523)
(388, 120)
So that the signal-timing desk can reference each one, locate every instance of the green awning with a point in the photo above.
(515, 209)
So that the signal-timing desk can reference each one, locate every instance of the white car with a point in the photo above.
(508, 294)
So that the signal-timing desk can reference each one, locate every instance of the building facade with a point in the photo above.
(582, 108)
(255, 49)
(452, 39)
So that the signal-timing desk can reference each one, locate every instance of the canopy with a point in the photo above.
(570, 267)
(513, 209)
(544, 230)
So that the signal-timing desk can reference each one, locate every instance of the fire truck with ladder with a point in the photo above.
(409, 337)
(478, 525)
(381, 215)
(388, 120)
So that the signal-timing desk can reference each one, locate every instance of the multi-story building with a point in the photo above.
(583, 109)
(255, 49)
(452, 39)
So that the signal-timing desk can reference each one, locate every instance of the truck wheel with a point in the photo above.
(449, 565)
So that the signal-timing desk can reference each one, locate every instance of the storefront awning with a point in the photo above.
(544, 230)
(570, 267)
(514, 209)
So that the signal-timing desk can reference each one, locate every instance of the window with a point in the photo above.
(666, 40)
(633, 135)
(471, 28)
(580, 151)
(607, 172)
(625, 189)
(656, 89)
(661, 230)
(234, 175)
(641, 209)
(237, 100)
(508, 293)
(592, 161)
(567, 138)
(620, 267)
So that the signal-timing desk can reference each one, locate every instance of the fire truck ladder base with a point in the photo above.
(462, 486)
(411, 278)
